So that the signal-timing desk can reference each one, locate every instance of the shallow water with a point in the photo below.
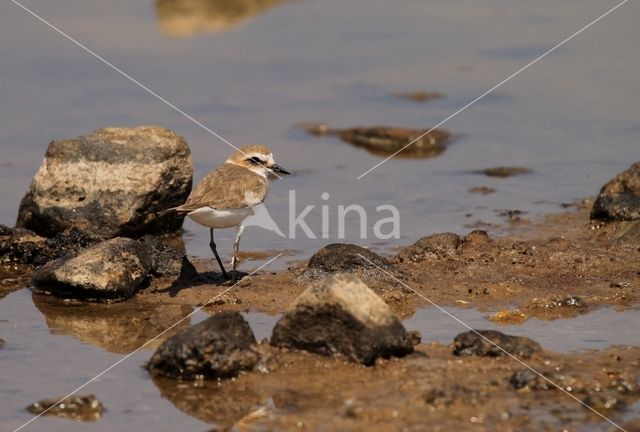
(51, 350)
(573, 117)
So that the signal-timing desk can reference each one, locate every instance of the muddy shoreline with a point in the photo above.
(556, 267)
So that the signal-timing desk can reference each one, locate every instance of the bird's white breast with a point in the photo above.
(214, 218)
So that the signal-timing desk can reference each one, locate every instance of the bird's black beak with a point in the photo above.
(278, 169)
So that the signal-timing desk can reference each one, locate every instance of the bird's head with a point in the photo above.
(258, 159)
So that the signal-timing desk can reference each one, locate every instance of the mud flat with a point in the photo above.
(555, 267)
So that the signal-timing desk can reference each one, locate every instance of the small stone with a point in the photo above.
(79, 408)
(2, 343)
(111, 182)
(619, 199)
(526, 378)
(433, 247)
(492, 343)
(505, 171)
(111, 270)
(419, 96)
(347, 258)
(219, 347)
(482, 190)
(504, 317)
(341, 315)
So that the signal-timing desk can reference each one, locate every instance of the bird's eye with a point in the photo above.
(255, 160)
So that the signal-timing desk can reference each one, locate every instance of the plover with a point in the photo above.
(225, 197)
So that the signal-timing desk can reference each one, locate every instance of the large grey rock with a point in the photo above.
(111, 270)
(619, 199)
(491, 343)
(341, 315)
(348, 258)
(112, 182)
(219, 347)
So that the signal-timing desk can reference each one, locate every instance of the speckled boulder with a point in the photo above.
(341, 315)
(112, 182)
(619, 199)
(111, 270)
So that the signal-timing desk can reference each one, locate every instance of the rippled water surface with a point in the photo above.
(572, 117)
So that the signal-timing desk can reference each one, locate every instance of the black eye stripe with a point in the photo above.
(254, 160)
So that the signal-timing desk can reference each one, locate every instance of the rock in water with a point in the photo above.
(112, 182)
(347, 258)
(619, 199)
(481, 343)
(388, 141)
(341, 315)
(219, 347)
(111, 270)
(79, 408)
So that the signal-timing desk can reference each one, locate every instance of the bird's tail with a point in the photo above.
(171, 210)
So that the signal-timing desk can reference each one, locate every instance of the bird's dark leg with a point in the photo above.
(215, 252)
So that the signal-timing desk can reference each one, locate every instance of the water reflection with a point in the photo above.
(118, 328)
(186, 18)
(224, 405)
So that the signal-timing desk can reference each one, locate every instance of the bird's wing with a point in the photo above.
(227, 187)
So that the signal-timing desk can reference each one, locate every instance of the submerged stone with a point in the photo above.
(111, 270)
(505, 171)
(219, 347)
(389, 141)
(111, 182)
(386, 141)
(79, 408)
(493, 343)
(341, 315)
(619, 199)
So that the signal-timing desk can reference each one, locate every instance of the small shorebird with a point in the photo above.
(225, 197)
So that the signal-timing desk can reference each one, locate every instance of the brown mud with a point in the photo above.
(556, 267)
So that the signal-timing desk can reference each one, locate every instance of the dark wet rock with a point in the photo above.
(219, 347)
(79, 408)
(482, 190)
(433, 247)
(111, 270)
(347, 258)
(419, 96)
(526, 378)
(505, 171)
(19, 245)
(619, 199)
(341, 315)
(112, 182)
(186, 18)
(120, 328)
(165, 260)
(386, 141)
(483, 343)
(26, 247)
(415, 336)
